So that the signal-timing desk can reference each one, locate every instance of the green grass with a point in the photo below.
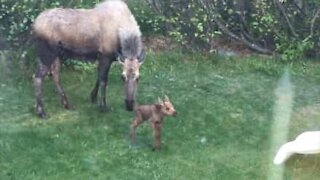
(223, 130)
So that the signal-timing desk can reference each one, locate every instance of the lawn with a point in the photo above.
(225, 128)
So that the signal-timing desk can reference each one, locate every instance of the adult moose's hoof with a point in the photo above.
(93, 97)
(40, 112)
(103, 105)
(155, 148)
(68, 107)
(103, 108)
(66, 104)
(43, 115)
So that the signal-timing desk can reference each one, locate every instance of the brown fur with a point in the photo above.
(155, 114)
(91, 29)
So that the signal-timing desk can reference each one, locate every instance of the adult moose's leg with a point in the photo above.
(41, 72)
(104, 66)
(47, 55)
(94, 91)
(55, 70)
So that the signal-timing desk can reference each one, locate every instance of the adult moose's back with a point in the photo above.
(106, 33)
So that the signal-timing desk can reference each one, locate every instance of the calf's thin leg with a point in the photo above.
(55, 70)
(156, 127)
(135, 123)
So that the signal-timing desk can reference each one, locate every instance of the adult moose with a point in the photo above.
(107, 32)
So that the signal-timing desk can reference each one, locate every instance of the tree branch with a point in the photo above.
(208, 7)
(156, 6)
(313, 22)
(283, 12)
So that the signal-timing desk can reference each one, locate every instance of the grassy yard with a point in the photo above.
(223, 131)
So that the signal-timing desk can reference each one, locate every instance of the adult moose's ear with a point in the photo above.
(141, 56)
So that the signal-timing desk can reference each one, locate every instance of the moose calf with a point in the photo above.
(154, 113)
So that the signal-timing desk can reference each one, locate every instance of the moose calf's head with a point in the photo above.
(166, 107)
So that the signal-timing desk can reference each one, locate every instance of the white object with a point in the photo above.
(306, 143)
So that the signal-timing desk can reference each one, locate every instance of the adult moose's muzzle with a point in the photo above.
(130, 87)
(129, 104)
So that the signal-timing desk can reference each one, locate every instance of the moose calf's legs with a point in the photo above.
(135, 123)
(156, 127)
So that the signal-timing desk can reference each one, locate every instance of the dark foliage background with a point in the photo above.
(289, 28)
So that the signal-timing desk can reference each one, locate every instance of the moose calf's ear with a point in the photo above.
(166, 98)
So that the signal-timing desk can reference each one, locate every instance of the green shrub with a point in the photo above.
(294, 49)
(16, 17)
(291, 28)
(150, 23)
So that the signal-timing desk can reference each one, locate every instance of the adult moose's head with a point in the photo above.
(131, 56)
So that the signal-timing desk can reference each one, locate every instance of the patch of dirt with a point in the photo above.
(230, 47)
(159, 43)
(305, 118)
(220, 46)
(308, 111)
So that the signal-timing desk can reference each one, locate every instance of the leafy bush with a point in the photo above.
(17, 16)
(82, 66)
(150, 23)
(290, 28)
(294, 49)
